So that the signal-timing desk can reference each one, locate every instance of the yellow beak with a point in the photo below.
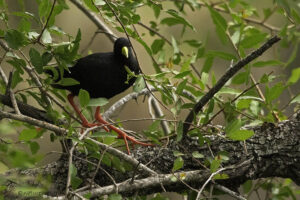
(125, 51)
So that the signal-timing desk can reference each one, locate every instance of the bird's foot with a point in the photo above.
(121, 133)
(126, 137)
(86, 124)
(89, 125)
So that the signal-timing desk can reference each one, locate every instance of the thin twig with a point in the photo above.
(47, 21)
(109, 112)
(12, 95)
(71, 158)
(169, 43)
(94, 18)
(98, 165)
(31, 72)
(2, 74)
(122, 156)
(34, 122)
(232, 101)
(230, 192)
(159, 114)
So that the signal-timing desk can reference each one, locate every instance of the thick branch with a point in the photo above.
(272, 152)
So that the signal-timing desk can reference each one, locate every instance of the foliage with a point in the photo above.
(183, 72)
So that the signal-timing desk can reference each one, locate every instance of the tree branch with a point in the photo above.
(273, 151)
(94, 18)
(222, 81)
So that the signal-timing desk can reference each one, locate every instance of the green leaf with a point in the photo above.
(200, 52)
(208, 64)
(178, 164)
(233, 126)
(247, 186)
(28, 134)
(267, 13)
(196, 154)
(24, 25)
(44, 8)
(181, 86)
(115, 197)
(99, 2)
(215, 164)
(68, 82)
(84, 97)
(118, 164)
(182, 74)
(221, 24)
(156, 8)
(46, 58)
(157, 45)
(193, 43)
(139, 84)
(243, 104)
(170, 21)
(295, 76)
(227, 90)
(75, 182)
(179, 131)
(274, 92)
(223, 55)
(98, 102)
(209, 110)
(73, 170)
(296, 99)
(103, 134)
(46, 37)
(16, 79)
(175, 45)
(295, 16)
(177, 153)
(204, 79)
(147, 48)
(240, 135)
(284, 4)
(293, 55)
(36, 60)
(220, 176)
(267, 63)
(176, 19)
(34, 147)
(240, 78)
(90, 5)
(267, 78)
(253, 40)
(15, 39)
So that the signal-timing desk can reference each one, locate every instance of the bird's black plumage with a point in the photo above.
(103, 74)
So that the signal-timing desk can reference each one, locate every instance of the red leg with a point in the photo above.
(84, 121)
(121, 134)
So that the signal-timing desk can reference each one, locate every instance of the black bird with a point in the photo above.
(103, 75)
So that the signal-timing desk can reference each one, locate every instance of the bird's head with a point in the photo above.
(122, 48)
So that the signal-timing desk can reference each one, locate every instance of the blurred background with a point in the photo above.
(74, 19)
